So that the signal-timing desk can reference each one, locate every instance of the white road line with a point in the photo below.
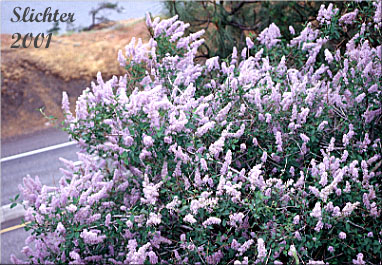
(33, 152)
(7, 214)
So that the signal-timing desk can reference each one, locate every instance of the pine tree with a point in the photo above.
(227, 23)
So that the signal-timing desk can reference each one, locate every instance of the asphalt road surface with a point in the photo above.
(45, 164)
(12, 241)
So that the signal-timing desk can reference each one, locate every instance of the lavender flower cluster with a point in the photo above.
(246, 160)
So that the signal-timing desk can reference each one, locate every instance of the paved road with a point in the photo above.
(16, 145)
(46, 165)
(12, 242)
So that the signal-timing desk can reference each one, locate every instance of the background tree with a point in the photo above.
(227, 23)
(95, 12)
(54, 29)
(70, 27)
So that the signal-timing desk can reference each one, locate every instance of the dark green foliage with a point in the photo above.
(54, 29)
(227, 23)
(95, 12)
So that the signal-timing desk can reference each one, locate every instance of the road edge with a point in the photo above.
(8, 214)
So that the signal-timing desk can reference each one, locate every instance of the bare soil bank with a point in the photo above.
(35, 78)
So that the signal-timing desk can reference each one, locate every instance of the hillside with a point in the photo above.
(35, 78)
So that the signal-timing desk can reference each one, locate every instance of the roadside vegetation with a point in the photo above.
(269, 155)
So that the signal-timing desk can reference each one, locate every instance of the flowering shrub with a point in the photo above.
(270, 156)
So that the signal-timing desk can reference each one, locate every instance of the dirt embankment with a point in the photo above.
(35, 78)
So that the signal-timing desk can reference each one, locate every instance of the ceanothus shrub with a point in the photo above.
(272, 155)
